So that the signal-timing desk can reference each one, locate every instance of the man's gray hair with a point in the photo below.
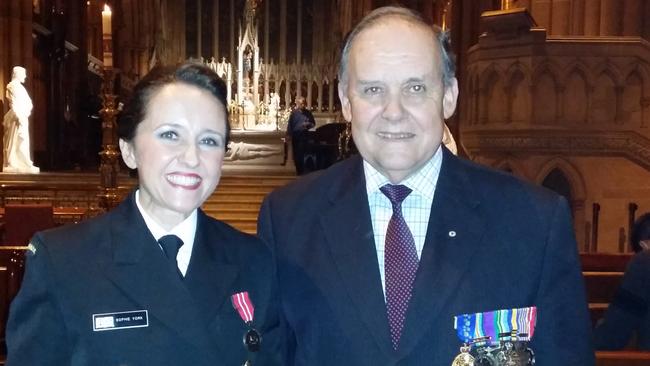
(411, 16)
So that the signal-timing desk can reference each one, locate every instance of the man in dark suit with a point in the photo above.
(300, 121)
(377, 254)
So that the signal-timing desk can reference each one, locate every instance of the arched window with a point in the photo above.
(558, 182)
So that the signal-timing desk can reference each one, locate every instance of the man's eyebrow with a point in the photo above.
(415, 80)
(368, 82)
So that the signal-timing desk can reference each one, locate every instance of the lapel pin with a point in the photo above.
(452, 234)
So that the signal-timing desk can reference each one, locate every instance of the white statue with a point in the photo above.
(213, 65)
(16, 126)
(245, 151)
(274, 105)
(222, 68)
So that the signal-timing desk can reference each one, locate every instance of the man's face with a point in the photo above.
(395, 98)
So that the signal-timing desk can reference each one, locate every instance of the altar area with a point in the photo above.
(260, 98)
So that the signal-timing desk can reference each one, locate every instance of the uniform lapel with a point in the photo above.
(348, 231)
(209, 278)
(140, 270)
(455, 230)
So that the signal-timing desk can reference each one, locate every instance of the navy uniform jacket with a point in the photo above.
(113, 264)
(493, 242)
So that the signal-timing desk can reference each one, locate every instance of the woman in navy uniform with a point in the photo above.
(151, 282)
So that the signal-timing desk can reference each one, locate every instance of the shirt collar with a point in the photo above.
(422, 182)
(184, 230)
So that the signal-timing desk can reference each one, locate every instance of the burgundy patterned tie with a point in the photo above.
(400, 262)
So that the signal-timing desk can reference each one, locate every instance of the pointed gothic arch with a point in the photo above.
(553, 172)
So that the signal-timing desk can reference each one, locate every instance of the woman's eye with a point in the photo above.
(211, 141)
(169, 135)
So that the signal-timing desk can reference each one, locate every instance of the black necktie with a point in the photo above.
(170, 245)
(400, 264)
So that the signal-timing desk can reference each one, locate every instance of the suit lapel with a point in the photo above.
(349, 234)
(455, 230)
(209, 279)
(140, 270)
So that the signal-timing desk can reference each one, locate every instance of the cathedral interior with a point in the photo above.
(556, 92)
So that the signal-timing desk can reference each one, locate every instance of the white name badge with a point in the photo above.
(122, 320)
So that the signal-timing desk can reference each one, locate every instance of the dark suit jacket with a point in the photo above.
(113, 264)
(514, 247)
(629, 313)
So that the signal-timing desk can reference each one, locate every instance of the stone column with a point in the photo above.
(172, 32)
(345, 16)
(318, 32)
(233, 47)
(16, 41)
(215, 30)
(287, 92)
(198, 28)
(267, 60)
(256, 75)
(646, 24)
(309, 91)
(577, 27)
(592, 18)
(240, 75)
(299, 34)
(283, 33)
(610, 17)
(320, 95)
(299, 49)
(560, 14)
(632, 16)
(330, 100)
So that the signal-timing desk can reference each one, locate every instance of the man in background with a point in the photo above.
(300, 121)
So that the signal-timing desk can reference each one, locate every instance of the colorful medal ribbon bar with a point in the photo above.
(492, 323)
(244, 306)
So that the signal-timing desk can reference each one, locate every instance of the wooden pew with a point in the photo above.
(622, 358)
(602, 274)
(12, 263)
(604, 262)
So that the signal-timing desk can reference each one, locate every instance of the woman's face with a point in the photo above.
(178, 150)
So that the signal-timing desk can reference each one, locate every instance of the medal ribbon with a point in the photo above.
(244, 306)
(492, 323)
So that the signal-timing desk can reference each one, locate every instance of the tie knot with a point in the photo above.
(170, 245)
(395, 193)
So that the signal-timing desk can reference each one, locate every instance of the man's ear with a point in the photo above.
(346, 109)
(450, 98)
(128, 153)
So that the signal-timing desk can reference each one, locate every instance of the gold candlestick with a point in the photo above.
(109, 166)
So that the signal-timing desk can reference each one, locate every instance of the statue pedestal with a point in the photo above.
(27, 170)
(257, 152)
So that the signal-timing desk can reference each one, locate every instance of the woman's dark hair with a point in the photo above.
(640, 231)
(189, 73)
